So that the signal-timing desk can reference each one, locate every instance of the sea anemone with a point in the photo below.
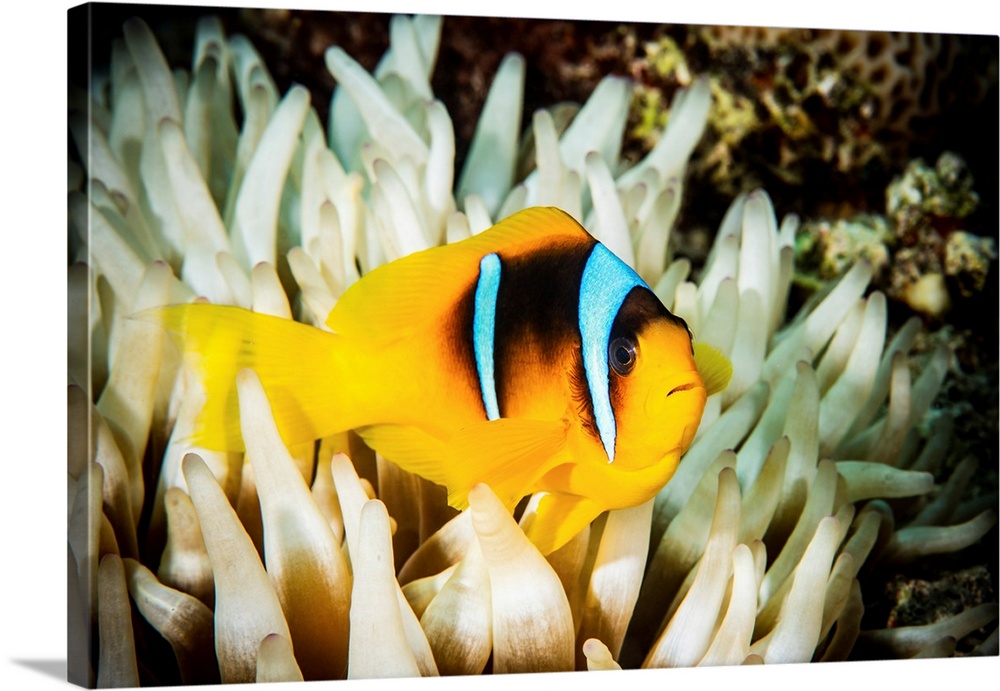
(812, 471)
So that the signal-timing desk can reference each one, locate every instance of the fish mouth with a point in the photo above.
(687, 386)
(679, 389)
(688, 381)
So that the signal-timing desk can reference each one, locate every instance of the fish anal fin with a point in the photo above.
(411, 448)
(558, 518)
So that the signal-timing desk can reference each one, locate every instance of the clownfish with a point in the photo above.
(527, 357)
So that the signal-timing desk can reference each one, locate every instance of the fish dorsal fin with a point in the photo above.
(403, 296)
(558, 518)
(714, 367)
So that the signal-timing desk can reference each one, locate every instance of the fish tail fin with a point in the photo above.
(297, 365)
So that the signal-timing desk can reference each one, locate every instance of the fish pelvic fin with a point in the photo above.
(714, 367)
(558, 518)
(296, 364)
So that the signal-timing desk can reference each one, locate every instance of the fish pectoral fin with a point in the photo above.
(559, 517)
(714, 367)
(508, 454)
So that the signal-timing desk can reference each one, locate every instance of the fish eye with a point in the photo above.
(622, 354)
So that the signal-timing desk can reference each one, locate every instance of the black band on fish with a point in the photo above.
(484, 322)
(537, 320)
(605, 282)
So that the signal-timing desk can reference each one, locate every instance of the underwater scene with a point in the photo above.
(405, 345)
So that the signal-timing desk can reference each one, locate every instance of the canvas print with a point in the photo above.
(412, 345)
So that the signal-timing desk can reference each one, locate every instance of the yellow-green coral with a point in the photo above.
(924, 192)
(666, 63)
(667, 59)
(927, 207)
(732, 115)
(826, 249)
(967, 258)
(647, 107)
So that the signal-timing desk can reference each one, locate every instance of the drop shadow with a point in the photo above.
(50, 668)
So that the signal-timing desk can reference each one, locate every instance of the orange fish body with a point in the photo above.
(527, 357)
